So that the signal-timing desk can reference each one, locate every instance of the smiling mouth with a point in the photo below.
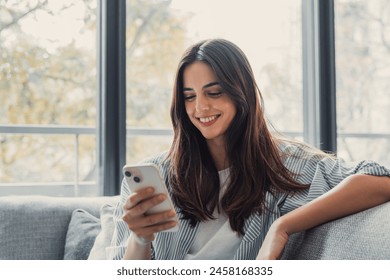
(208, 120)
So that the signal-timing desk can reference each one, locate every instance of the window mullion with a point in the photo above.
(319, 89)
(112, 95)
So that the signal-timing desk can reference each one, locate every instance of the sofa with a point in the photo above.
(53, 228)
(79, 228)
(362, 236)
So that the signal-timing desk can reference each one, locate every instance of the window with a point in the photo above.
(362, 31)
(158, 32)
(48, 97)
(51, 139)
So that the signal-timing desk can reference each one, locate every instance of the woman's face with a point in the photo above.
(209, 108)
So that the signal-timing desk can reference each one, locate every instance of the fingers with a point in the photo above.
(137, 197)
(142, 224)
(151, 230)
(148, 220)
(144, 205)
(146, 226)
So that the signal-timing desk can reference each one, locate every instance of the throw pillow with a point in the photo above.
(103, 239)
(82, 231)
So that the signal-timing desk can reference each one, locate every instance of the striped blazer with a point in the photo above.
(321, 172)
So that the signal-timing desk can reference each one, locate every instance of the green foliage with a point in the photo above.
(48, 76)
(155, 39)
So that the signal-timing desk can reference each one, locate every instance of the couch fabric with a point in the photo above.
(39, 227)
(82, 231)
(36, 227)
(362, 236)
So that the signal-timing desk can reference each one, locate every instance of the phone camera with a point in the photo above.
(137, 179)
(128, 174)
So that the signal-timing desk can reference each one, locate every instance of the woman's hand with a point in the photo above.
(144, 225)
(274, 242)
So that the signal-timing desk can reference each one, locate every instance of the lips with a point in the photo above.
(207, 121)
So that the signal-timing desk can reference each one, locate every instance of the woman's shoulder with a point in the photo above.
(160, 159)
(156, 158)
(292, 150)
(291, 147)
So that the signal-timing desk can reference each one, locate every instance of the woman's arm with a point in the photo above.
(355, 193)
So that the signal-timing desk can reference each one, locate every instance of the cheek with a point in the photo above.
(231, 111)
(189, 109)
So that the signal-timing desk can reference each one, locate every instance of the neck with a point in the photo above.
(218, 153)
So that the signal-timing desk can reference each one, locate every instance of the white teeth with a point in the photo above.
(208, 119)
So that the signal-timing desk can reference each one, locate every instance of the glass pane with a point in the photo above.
(136, 151)
(47, 78)
(350, 148)
(48, 62)
(362, 31)
(58, 149)
(65, 161)
(158, 32)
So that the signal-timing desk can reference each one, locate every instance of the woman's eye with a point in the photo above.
(189, 97)
(215, 94)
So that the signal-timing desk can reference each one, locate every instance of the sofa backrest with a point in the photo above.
(35, 227)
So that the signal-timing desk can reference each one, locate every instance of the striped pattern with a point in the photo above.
(322, 173)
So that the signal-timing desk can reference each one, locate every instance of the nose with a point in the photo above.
(202, 103)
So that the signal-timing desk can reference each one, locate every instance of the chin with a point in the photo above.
(211, 137)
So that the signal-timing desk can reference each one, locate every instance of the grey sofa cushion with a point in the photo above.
(82, 231)
(35, 227)
(362, 236)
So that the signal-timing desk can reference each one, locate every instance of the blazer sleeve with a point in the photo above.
(322, 173)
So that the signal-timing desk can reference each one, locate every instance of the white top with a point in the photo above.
(215, 239)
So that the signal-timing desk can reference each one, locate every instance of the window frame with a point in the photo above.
(111, 97)
(319, 91)
(319, 74)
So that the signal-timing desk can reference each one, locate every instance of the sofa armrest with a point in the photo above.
(361, 236)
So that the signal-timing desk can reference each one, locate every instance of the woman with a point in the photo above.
(239, 191)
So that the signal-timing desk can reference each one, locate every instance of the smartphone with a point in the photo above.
(148, 175)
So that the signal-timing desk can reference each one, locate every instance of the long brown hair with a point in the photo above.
(256, 165)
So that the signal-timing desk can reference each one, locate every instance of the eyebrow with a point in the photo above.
(205, 86)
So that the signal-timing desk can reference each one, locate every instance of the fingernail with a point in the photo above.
(150, 190)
